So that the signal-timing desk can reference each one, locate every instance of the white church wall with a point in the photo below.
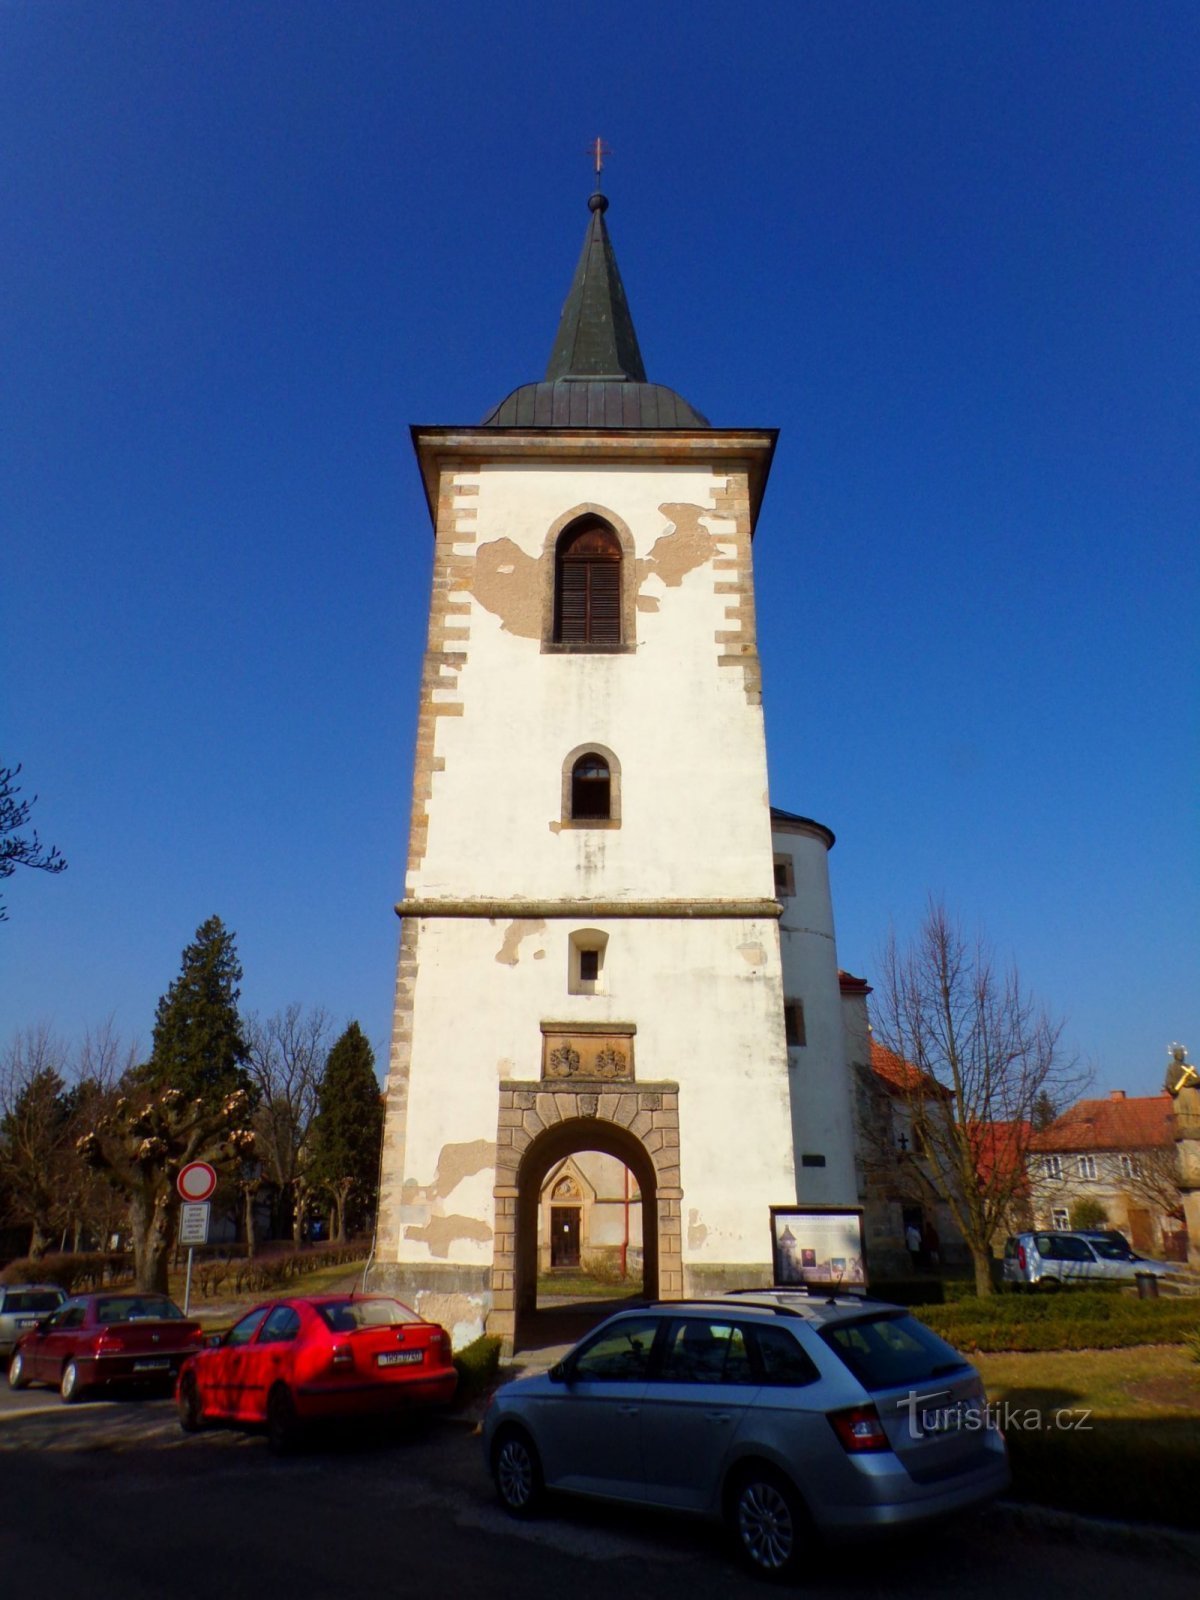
(822, 1112)
(698, 993)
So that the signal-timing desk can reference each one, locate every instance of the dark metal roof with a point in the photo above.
(595, 377)
(595, 332)
(602, 403)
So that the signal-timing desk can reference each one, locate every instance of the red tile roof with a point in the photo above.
(1000, 1153)
(1139, 1123)
(900, 1076)
(849, 984)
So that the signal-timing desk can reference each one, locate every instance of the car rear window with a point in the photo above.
(889, 1351)
(347, 1316)
(137, 1308)
(32, 1300)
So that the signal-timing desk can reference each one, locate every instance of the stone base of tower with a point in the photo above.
(459, 1298)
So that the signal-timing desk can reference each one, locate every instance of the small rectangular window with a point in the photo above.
(1087, 1166)
(812, 1160)
(1061, 1219)
(793, 1024)
(1130, 1167)
(1052, 1166)
(785, 882)
(589, 965)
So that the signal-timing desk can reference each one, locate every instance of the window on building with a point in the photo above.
(1087, 1167)
(591, 789)
(793, 1024)
(1060, 1218)
(1131, 1167)
(585, 956)
(785, 881)
(1052, 1167)
(587, 586)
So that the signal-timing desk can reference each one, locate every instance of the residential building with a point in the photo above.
(1119, 1152)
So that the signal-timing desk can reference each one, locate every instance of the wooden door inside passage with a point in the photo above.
(564, 1236)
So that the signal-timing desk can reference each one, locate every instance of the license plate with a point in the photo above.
(159, 1364)
(400, 1358)
(26, 1322)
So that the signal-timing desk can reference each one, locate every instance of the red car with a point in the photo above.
(94, 1341)
(316, 1357)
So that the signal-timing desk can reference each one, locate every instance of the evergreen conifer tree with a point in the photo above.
(198, 1046)
(348, 1130)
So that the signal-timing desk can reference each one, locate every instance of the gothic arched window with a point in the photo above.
(587, 586)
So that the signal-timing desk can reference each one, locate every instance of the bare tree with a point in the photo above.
(20, 849)
(92, 1207)
(984, 1054)
(286, 1058)
(1154, 1179)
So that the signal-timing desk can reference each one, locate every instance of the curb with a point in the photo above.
(1100, 1533)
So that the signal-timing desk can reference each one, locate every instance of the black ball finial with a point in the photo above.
(598, 202)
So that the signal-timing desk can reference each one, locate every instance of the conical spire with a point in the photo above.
(595, 332)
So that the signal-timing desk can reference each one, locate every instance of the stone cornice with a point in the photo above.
(752, 447)
(601, 910)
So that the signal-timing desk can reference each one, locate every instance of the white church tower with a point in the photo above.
(590, 956)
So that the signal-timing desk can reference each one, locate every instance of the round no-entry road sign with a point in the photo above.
(196, 1181)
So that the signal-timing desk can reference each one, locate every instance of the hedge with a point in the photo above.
(477, 1365)
(1073, 1320)
(73, 1273)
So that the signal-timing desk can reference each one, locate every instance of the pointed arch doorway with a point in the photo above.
(640, 1127)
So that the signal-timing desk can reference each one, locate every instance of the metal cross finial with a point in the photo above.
(598, 150)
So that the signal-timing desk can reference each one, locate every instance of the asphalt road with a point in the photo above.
(114, 1502)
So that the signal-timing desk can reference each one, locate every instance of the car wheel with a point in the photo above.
(769, 1523)
(69, 1386)
(16, 1371)
(1049, 1285)
(187, 1404)
(518, 1473)
(283, 1425)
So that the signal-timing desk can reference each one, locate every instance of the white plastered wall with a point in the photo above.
(822, 1109)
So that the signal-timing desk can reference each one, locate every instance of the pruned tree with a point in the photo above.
(140, 1146)
(198, 1046)
(347, 1132)
(36, 1133)
(985, 1055)
(286, 1054)
(19, 849)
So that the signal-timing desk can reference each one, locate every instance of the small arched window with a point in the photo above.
(591, 789)
(587, 586)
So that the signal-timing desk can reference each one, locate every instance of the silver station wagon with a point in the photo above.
(22, 1305)
(792, 1417)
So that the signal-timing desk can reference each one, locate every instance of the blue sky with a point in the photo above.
(949, 250)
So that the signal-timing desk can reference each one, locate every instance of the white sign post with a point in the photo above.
(195, 1183)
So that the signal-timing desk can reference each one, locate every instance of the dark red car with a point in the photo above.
(313, 1358)
(94, 1341)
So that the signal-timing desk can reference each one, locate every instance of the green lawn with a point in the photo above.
(1111, 1433)
(225, 1308)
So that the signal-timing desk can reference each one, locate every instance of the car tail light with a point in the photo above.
(110, 1341)
(441, 1340)
(859, 1429)
(343, 1356)
(1021, 1257)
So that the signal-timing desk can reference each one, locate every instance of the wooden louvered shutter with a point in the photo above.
(572, 602)
(587, 601)
(604, 602)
